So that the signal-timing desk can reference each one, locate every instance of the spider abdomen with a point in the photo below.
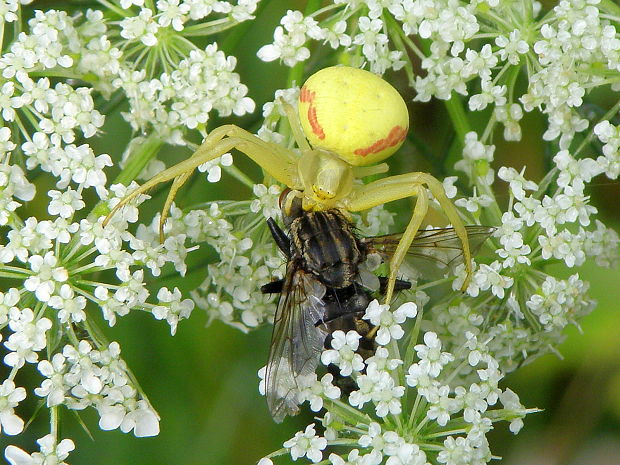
(327, 246)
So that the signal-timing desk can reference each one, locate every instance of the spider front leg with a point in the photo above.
(409, 185)
(278, 161)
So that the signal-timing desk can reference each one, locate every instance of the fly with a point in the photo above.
(327, 288)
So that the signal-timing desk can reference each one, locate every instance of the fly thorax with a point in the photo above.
(327, 247)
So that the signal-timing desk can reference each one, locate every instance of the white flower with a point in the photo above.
(64, 204)
(602, 244)
(142, 27)
(449, 187)
(510, 401)
(370, 36)
(8, 301)
(172, 13)
(457, 451)
(381, 360)
(575, 172)
(174, 309)
(307, 444)
(389, 322)
(342, 354)
(51, 452)
(8, 10)
(472, 204)
(379, 387)
(386, 394)
(87, 374)
(267, 200)
(610, 136)
(143, 420)
(336, 36)
(10, 397)
(54, 387)
(243, 10)
(214, 167)
(518, 183)
(509, 116)
(70, 307)
(432, 359)
(288, 44)
(564, 246)
(315, 391)
(514, 255)
(559, 302)
(475, 154)
(46, 275)
(442, 407)
(487, 276)
(28, 337)
(511, 47)
(489, 94)
(471, 401)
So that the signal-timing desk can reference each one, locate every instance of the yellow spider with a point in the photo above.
(348, 119)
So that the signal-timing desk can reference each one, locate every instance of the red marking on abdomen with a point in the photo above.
(307, 96)
(396, 136)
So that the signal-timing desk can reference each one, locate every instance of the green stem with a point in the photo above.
(612, 111)
(134, 166)
(20, 271)
(208, 29)
(239, 175)
(4, 274)
(457, 114)
(110, 6)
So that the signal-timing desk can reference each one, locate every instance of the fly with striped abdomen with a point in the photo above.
(327, 288)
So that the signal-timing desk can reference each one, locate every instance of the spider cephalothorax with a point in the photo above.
(348, 120)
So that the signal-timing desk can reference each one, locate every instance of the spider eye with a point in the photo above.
(322, 193)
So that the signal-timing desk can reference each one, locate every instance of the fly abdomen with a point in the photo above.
(327, 247)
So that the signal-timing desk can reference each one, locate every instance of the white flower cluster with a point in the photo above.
(541, 224)
(183, 99)
(51, 451)
(560, 302)
(230, 293)
(576, 37)
(467, 42)
(291, 38)
(67, 265)
(82, 377)
(610, 160)
(463, 411)
(173, 15)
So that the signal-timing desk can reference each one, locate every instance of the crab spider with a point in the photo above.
(349, 120)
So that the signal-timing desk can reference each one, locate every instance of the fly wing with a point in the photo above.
(440, 247)
(296, 342)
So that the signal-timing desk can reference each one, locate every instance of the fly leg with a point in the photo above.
(279, 236)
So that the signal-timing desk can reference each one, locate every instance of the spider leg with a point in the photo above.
(402, 186)
(293, 120)
(278, 161)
